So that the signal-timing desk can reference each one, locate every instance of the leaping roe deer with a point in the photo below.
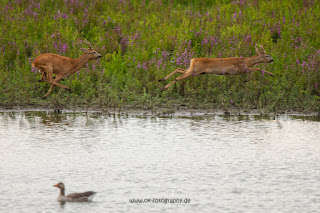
(62, 66)
(222, 66)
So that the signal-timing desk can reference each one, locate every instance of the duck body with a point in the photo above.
(74, 197)
(77, 197)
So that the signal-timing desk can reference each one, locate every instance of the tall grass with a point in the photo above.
(144, 40)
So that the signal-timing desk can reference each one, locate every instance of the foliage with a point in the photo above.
(144, 40)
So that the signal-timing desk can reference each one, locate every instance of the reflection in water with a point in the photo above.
(222, 163)
(62, 204)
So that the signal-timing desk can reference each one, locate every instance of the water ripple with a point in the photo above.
(223, 164)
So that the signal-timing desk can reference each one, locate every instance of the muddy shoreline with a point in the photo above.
(178, 110)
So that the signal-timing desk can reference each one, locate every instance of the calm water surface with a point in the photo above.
(222, 164)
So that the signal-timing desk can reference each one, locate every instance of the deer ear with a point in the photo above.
(83, 50)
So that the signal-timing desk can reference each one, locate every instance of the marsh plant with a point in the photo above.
(143, 40)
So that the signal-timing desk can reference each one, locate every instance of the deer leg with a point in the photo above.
(168, 85)
(186, 75)
(62, 86)
(49, 91)
(43, 77)
(57, 80)
(56, 83)
(269, 73)
(49, 77)
(250, 70)
(171, 74)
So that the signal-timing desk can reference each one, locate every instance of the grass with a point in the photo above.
(143, 41)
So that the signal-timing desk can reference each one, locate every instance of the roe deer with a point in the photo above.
(222, 66)
(62, 66)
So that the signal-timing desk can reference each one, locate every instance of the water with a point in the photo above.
(213, 163)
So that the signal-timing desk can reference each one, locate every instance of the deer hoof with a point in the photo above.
(68, 89)
(162, 79)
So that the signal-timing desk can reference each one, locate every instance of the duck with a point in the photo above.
(74, 197)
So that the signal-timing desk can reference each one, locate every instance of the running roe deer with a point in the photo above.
(62, 66)
(222, 66)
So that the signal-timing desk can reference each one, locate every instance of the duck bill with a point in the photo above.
(55, 185)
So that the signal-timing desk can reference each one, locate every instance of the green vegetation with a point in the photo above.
(143, 41)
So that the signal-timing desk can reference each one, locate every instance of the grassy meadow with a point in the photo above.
(142, 41)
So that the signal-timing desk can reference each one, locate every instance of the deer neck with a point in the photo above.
(80, 62)
(254, 60)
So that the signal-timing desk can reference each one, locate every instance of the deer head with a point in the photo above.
(266, 58)
(93, 54)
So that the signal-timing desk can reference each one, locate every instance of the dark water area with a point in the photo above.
(209, 163)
